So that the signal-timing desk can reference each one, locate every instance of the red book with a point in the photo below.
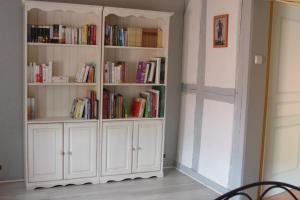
(135, 109)
(105, 110)
(40, 78)
(94, 34)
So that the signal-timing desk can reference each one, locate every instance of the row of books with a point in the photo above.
(39, 73)
(114, 105)
(115, 72)
(31, 108)
(58, 33)
(152, 71)
(116, 35)
(86, 74)
(85, 108)
(150, 104)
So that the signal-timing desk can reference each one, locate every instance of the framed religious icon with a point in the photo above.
(221, 31)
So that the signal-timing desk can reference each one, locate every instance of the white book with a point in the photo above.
(142, 108)
(157, 74)
(44, 71)
(118, 74)
(151, 74)
(113, 73)
(147, 72)
(86, 73)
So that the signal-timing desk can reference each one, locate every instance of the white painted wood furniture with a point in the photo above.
(60, 150)
(133, 147)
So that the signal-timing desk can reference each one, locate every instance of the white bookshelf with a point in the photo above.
(53, 123)
(132, 126)
(60, 150)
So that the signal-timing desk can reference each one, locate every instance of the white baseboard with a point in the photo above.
(12, 181)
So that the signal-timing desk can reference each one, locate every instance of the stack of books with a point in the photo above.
(39, 73)
(114, 106)
(133, 36)
(31, 108)
(85, 108)
(150, 104)
(115, 72)
(86, 74)
(152, 71)
(58, 33)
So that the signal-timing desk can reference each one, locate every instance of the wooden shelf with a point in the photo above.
(61, 45)
(62, 84)
(133, 84)
(59, 120)
(132, 119)
(136, 48)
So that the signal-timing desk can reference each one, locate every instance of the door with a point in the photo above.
(282, 152)
(117, 148)
(45, 152)
(80, 141)
(147, 142)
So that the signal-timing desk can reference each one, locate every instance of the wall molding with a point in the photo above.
(201, 179)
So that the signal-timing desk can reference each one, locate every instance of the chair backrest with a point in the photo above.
(241, 191)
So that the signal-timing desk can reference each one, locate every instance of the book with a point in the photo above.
(162, 90)
(116, 35)
(31, 108)
(86, 74)
(155, 102)
(141, 72)
(114, 105)
(85, 108)
(137, 108)
(39, 73)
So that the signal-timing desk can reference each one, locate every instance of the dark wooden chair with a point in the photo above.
(242, 191)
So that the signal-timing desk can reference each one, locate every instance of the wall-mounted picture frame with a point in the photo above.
(220, 35)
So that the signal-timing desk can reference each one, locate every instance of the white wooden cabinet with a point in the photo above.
(80, 144)
(117, 148)
(131, 147)
(62, 151)
(45, 152)
(147, 141)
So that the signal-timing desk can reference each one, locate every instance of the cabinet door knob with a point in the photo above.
(70, 153)
(133, 149)
(139, 148)
(63, 153)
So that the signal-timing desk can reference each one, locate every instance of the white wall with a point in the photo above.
(220, 68)
(217, 111)
(190, 63)
(186, 130)
(191, 31)
(216, 141)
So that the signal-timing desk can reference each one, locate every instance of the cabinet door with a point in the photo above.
(80, 141)
(45, 152)
(147, 140)
(117, 148)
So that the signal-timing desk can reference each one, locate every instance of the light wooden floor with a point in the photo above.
(174, 186)
(284, 196)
